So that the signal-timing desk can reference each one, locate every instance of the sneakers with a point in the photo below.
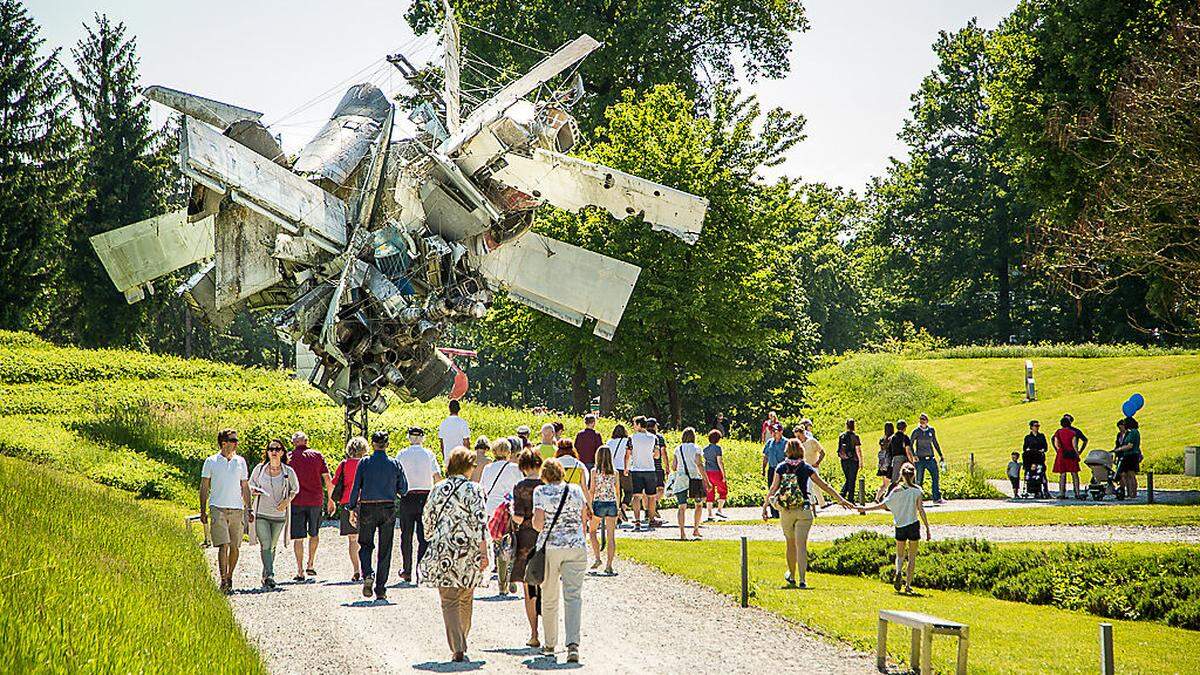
(269, 583)
(548, 650)
(381, 597)
(572, 653)
(368, 585)
(791, 581)
(896, 581)
(227, 586)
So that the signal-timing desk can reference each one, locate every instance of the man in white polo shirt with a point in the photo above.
(225, 501)
(642, 455)
(421, 470)
(453, 431)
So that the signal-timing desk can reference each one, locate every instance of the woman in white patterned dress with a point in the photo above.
(457, 556)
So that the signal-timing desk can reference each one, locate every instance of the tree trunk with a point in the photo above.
(581, 398)
(187, 332)
(608, 393)
(674, 402)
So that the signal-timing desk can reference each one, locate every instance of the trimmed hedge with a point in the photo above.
(1098, 579)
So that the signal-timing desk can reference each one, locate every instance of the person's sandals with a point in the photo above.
(696, 533)
(596, 565)
(609, 571)
(299, 578)
(572, 653)
(368, 582)
(548, 650)
(356, 578)
(534, 642)
(310, 572)
(908, 590)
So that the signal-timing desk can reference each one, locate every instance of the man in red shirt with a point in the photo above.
(316, 489)
(588, 441)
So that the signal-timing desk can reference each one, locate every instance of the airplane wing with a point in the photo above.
(137, 254)
(563, 280)
(570, 183)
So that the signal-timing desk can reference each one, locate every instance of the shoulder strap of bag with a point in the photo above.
(498, 474)
(561, 503)
(442, 511)
(683, 462)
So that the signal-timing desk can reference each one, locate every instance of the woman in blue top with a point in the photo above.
(1129, 459)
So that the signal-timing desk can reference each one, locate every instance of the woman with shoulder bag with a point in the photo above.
(343, 480)
(498, 479)
(689, 481)
(273, 484)
(457, 557)
(560, 557)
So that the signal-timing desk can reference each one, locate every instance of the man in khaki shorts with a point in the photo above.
(225, 502)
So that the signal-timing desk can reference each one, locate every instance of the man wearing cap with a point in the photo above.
(378, 482)
(421, 470)
(925, 442)
(772, 457)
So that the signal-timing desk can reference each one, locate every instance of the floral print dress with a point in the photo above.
(454, 520)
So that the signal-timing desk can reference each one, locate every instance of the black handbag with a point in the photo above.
(339, 487)
(535, 567)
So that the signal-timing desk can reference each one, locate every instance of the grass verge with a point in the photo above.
(846, 608)
(1139, 515)
(94, 581)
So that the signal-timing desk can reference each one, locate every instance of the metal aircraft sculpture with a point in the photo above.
(365, 246)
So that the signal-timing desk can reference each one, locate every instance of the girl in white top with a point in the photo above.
(498, 479)
(688, 459)
(908, 512)
(618, 445)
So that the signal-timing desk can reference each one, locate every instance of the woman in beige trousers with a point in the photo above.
(559, 511)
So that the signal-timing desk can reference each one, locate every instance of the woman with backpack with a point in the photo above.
(790, 494)
(343, 480)
(605, 487)
(690, 481)
(905, 502)
(498, 479)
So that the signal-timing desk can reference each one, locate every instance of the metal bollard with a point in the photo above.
(862, 491)
(1149, 487)
(745, 576)
(972, 467)
(1106, 650)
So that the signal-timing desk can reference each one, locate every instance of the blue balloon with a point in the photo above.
(1133, 405)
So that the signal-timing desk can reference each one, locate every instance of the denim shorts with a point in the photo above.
(604, 509)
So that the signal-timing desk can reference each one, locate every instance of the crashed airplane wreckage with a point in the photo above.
(365, 246)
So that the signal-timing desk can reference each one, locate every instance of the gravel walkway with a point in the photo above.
(639, 621)
(1071, 534)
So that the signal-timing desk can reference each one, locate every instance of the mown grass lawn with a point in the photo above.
(93, 581)
(1006, 637)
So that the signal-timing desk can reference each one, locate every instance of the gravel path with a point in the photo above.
(638, 621)
(1072, 534)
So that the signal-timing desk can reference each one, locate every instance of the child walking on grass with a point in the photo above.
(1014, 474)
(908, 512)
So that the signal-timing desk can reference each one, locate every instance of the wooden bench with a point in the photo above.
(924, 627)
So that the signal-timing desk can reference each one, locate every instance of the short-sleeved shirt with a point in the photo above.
(773, 451)
(800, 468)
(848, 443)
(573, 470)
(568, 528)
(643, 451)
(688, 453)
(452, 431)
(225, 480)
(711, 453)
(902, 502)
(419, 465)
(604, 487)
(547, 450)
(618, 446)
(523, 497)
(587, 442)
(309, 466)
(345, 475)
(1134, 438)
(898, 444)
(498, 479)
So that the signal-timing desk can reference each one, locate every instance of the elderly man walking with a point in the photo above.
(378, 482)
(316, 491)
(421, 470)
(225, 501)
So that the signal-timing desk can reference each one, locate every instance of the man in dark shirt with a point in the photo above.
(850, 453)
(378, 482)
(722, 425)
(900, 450)
(588, 441)
(1033, 453)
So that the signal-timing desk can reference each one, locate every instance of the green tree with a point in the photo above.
(39, 170)
(126, 175)
(693, 44)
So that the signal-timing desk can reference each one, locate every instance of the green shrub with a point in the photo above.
(1034, 586)
(1047, 350)
(9, 338)
(1185, 615)
(1165, 464)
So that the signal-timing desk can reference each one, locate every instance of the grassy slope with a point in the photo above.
(994, 383)
(846, 608)
(94, 581)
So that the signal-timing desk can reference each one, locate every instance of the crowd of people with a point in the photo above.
(544, 513)
(1028, 468)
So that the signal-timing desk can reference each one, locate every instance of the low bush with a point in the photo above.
(1086, 350)
(1098, 579)
(1171, 464)
(1186, 614)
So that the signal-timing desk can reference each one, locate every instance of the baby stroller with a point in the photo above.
(1103, 479)
(1035, 482)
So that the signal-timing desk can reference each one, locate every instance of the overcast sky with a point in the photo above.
(852, 72)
